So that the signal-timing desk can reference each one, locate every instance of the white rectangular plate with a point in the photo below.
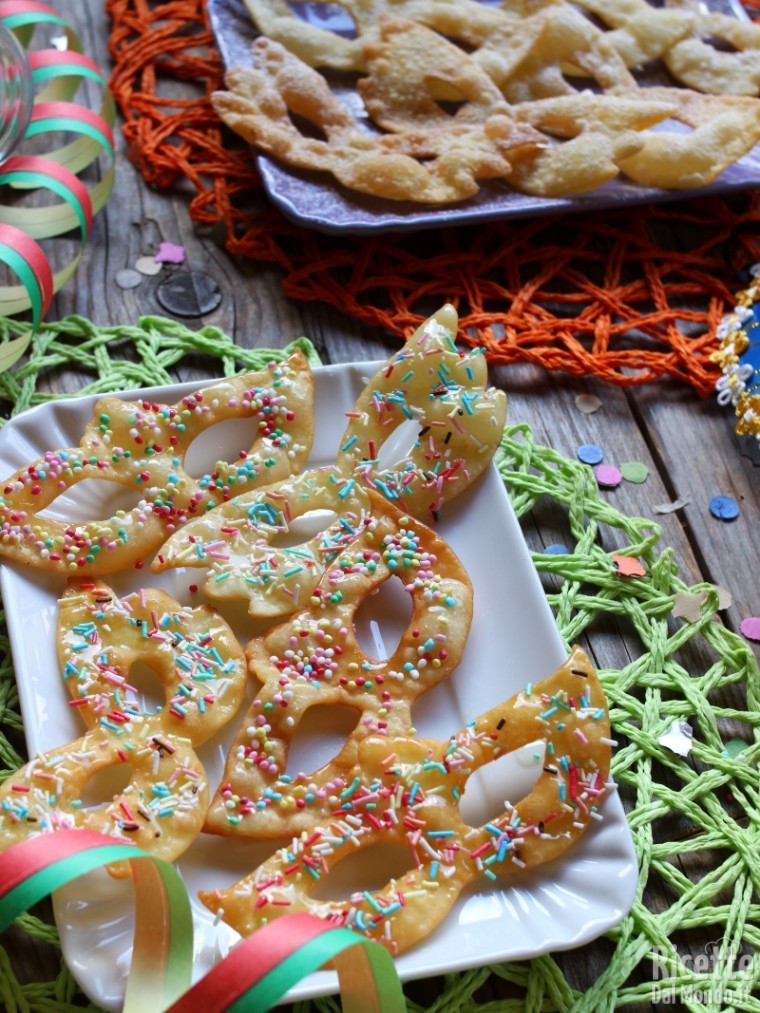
(513, 640)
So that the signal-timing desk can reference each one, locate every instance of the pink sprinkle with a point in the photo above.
(750, 628)
(607, 476)
(170, 253)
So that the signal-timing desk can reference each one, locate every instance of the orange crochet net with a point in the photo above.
(628, 296)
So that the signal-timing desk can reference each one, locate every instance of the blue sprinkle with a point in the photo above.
(557, 549)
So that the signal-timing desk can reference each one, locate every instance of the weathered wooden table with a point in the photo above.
(688, 444)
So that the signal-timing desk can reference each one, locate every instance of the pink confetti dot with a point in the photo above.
(750, 628)
(170, 253)
(607, 476)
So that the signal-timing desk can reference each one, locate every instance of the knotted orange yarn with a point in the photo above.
(628, 296)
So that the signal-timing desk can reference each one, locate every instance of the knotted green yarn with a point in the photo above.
(680, 810)
(709, 800)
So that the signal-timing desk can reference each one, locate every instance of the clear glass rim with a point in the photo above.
(17, 92)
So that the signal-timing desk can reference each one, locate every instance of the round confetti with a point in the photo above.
(607, 476)
(557, 549)
(588, 403)
(128, 278)
(189, 294)
(750, 628)
(148, 266)
(725, 508)
(634, 471)
(589, 453)
(735, 747)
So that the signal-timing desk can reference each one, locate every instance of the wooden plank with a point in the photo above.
(696, 442)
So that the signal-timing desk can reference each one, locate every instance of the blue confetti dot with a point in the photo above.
(725, 508)
(589, 453)
(557, 549)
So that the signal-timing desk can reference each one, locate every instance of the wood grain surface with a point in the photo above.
(687, 443)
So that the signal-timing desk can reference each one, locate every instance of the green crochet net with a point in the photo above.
(680, 810)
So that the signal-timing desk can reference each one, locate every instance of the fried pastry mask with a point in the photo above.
(406, 792)
(442, 390)
(198, 660)
(160, 810)
(430, 166)
(408, 66)
(638, 31)
(724, 128)
(142, 446)
(193, 652)
(238, 541)
(729, 69)
(315, 658)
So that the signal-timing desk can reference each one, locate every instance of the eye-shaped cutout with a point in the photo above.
(402, 440)
(331, 17)
(224, 441)
(307, 127)
(451, 106)
(719, 43)
(104, 785)
(92, 499)
(302, 529)
(382, 618)
(321, 735)
(147, 689)
(508, 778)
(362, 870)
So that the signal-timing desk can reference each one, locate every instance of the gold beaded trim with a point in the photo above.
(738, 379)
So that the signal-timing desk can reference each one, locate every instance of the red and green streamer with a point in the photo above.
(254, 976)
(57, 76)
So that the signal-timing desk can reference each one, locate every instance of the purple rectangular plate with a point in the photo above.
(317, 201)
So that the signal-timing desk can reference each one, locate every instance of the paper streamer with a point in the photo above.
(254, 976)
(163, 949)
(58, 75)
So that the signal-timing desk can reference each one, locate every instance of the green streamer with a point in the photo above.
(32, 890)
(17, 263)
(310, 957)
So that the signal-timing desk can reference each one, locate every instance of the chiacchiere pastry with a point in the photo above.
(239, 542)
(314, 658)
(142, 446)
(406, 792)
(161, 809)
(461, 420)
(193, 652)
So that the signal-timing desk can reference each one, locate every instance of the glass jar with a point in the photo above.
(16, 92)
